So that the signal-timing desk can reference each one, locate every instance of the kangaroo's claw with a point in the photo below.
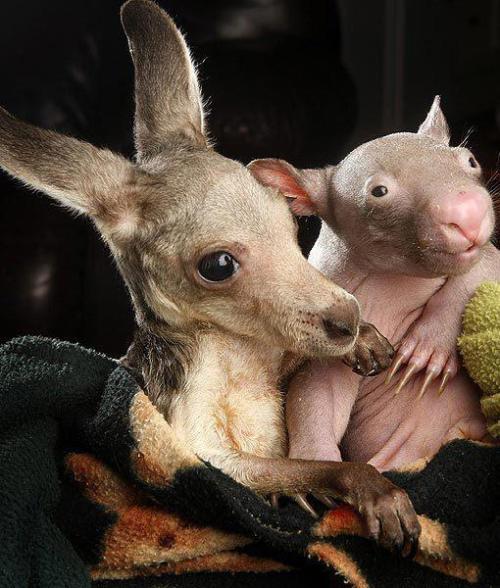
(326, 500)
(371, 354)
(301, 500)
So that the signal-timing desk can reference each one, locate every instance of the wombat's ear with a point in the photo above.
(168, 100)
(277, 173)
(77, 174)
(435, 124)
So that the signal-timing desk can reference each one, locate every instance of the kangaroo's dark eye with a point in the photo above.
(217, 266)
(472, 162)
(379, 191)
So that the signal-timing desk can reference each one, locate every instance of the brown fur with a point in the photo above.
(209, 354)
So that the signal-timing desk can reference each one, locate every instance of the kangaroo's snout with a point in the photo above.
(341, 322)
(464, 220)
(323, 319)
(335, 330)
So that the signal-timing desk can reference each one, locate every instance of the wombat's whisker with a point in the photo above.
(466, 138)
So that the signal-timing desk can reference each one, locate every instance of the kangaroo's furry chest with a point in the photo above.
(230, 403)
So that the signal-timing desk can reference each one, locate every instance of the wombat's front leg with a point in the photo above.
(387, 512)
(319, 402)
(431, 341)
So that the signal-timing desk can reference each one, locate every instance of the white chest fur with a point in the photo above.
(231, 404)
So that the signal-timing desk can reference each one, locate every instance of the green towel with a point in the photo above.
(480, 348)
(96, 490)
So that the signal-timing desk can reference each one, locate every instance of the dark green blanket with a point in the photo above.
(95, 485)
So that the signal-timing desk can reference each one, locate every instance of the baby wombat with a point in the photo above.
(406, 227)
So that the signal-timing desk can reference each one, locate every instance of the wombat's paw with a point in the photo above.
(430, 345)
(372, 352)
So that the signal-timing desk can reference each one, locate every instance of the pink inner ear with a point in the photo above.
(288, 185)
(280, 175)
(298, 198)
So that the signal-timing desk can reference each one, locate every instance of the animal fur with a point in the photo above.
(209, 353)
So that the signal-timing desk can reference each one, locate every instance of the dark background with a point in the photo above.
(305, 80)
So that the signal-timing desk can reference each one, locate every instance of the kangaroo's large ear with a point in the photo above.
(168, 101)
(435, 124)
(77, 174)
(306, 189)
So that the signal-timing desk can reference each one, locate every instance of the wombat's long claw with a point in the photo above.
(410, 370)
(394, 368)
(444, 382)
(431, 374)
(301, 500)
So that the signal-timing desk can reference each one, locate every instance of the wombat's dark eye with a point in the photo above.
(472, 162)
(217, 266)
(379, 191)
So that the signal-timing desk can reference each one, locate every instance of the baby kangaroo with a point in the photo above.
(406, 226)
(220, 288)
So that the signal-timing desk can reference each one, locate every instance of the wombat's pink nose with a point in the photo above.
(465, 219)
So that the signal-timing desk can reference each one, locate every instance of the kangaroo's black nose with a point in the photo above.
(338, 329)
